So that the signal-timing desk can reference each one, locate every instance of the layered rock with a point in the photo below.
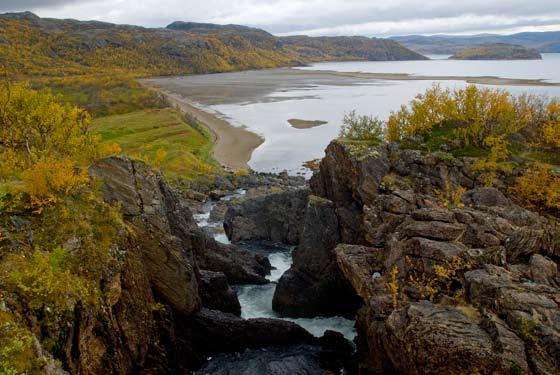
(167, 270)
(149, 203)
(455, 278)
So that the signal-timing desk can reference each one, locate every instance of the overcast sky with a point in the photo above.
(316, 17)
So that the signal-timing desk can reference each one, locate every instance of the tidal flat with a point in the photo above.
(260, 104)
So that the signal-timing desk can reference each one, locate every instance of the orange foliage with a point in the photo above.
(551, 128)
(49, 178)
(539, 187)
(112, 149)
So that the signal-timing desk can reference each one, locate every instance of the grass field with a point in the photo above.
(188, 146)
(103, 95)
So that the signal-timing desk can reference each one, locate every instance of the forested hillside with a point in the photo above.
(30, 45)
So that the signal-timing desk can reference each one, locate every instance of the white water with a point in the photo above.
(256, 300)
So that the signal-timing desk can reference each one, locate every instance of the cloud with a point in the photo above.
(21, 5)
(315, 17)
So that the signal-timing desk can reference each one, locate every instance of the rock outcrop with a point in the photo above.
(149, 203)
(314, 286)
(217, 332)
(290, 349)
(331, 354)
(455, 278)
(167, 271)
(273, 217)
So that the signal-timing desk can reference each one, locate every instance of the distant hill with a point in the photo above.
(42, 46)
(348, 48)
(449, 44)
(497, 51)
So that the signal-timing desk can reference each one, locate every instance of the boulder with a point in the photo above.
(530, 309)
(424, 338)
(216, 294)
(301, 359)
(331, 354)
(485, 197)
(239, 266)
(217, 332)
(543, 270)
(274, 217)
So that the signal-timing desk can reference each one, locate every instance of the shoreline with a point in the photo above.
(481, 80)
(233, 146)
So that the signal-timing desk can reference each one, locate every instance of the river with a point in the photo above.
(256, 300)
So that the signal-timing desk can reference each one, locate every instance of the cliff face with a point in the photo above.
(167, 273)
(455, 278)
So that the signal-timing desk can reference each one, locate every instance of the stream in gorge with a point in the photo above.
(256, 300)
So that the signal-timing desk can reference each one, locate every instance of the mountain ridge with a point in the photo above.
(547, 41)
(31, 45)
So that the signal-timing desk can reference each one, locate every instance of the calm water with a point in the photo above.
(269, 98)
(547, 69)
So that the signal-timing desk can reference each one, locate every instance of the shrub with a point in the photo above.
(362, 128)
(45, 144)
(45, 282)
(17, 355)
(479, 116)
(446, 278)
(34, 125)
(112, 149)
(551, 127)
(426, 111)
(539, 188)
(393, 286)
(49, 179)
(450, 196)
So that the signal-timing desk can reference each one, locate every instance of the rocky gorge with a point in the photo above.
(170, 302)
(443, 275)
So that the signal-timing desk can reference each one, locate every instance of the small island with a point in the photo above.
(305, 124)
(497, 51)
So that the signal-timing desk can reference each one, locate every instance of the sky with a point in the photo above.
(316, 17)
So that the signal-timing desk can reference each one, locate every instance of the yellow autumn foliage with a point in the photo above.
(539, 187)
(551, 127)
(33, 124)
(49, 178)
(112, 149)
(44, 144)
(475, 113)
